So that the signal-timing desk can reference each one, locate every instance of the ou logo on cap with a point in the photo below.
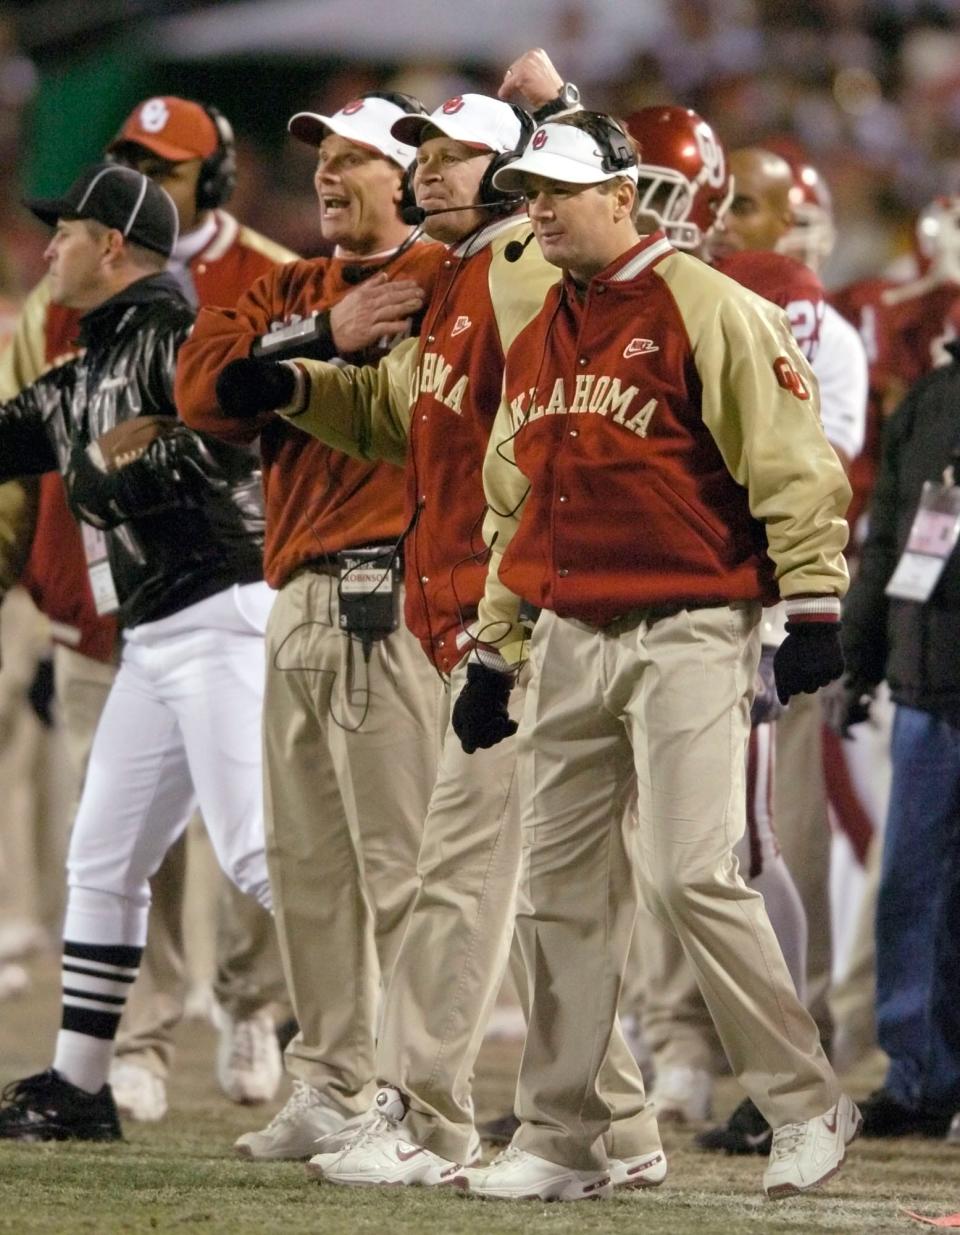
(353, 107)
(539, 139)
(452, 106)
(154, 115)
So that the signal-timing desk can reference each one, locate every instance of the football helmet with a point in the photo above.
(813, 235)
(938, 239)
(684, 182)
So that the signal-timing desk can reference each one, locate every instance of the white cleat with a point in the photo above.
(380, 1152)
(516, 1175)
(804, 1155)
(138, 1092)
(682, 1095)
(249, 1065)
(643, 1171)
(295, 1129)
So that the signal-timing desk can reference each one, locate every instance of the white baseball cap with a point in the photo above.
(474, 119)
(366, 121)
(561, 152)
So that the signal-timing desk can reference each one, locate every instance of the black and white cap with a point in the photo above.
(117, 197)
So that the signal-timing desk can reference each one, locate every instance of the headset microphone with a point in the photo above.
(416, 214)
(516, 249)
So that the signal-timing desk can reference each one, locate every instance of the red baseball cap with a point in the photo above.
(173, 129)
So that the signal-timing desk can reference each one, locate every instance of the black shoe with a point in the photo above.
(745, 1132)
(499, 1131)
(883, 1115)
(48, 1108)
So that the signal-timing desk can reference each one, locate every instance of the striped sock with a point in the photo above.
(96, 981)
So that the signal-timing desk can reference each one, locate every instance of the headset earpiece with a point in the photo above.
(408, 199)
(618, 154)
(218, 171)
(487, 192)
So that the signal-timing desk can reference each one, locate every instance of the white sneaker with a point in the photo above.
(294, 1130)
(138, 1092)
(644, 1171)
(381, 1152)
(516, 1175)
(682, 1095)
(804, 1155)
(249, 1065)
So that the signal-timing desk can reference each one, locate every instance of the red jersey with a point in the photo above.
(904, 328)
(785, 282)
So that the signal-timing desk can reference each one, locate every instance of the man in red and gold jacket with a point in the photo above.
(656, 472)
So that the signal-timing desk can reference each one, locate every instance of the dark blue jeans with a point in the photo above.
(918, 916)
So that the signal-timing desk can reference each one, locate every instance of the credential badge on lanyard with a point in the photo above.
(933, 537)
(98, 568)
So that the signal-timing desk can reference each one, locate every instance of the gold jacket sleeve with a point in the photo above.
(517, 295)
(506, 489)
(363, 410)
(22, 361)
(771, 440)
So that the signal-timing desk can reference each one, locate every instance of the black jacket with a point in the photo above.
(916, 647)
(183, 521)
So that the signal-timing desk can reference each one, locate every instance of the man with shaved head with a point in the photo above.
(761, 213)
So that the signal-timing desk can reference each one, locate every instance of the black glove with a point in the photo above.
(848, 703)
(809, 657)
(480, 717)
(249, 387)
(765, 707)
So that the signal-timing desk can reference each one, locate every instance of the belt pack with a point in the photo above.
(369, 592)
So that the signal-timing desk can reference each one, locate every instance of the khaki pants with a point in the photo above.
(349, 763)
(37, 794)
(660, 707)
(252, 976)
(677, 1027)
(803, 827)
(454, 953)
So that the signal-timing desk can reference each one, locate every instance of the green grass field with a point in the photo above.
(180, 1175)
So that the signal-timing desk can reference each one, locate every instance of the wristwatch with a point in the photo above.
(566, 100)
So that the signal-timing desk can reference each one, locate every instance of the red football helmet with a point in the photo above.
(684, 181)
(813, 235)
(938, 239)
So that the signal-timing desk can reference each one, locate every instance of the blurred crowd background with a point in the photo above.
(870, 89)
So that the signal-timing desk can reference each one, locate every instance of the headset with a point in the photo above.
(218, 171)
(487, 193)
(618, 154)
(413, 107)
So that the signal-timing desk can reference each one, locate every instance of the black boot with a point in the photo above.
(884, 1115)
(46, 1107)
(745, 1132)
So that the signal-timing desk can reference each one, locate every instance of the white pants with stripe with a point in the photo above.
(181, 726)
